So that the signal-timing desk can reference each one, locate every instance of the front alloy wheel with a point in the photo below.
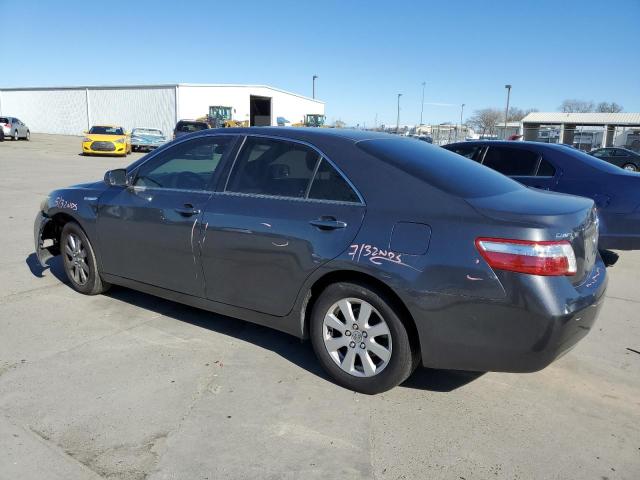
(77, 267)
(630, 167)
(80, 261)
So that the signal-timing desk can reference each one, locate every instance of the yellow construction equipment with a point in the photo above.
(222, 117)
(312, 120)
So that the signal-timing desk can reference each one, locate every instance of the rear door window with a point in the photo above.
(188, 127)
(513, 162)
(267, 166)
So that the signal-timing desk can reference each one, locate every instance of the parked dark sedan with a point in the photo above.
(560, 168)
(620, 157)
(385, 251)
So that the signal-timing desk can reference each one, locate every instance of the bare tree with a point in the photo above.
(605, 107)
(486, 119)
(516, 114)
(339, 124)
(576, 106)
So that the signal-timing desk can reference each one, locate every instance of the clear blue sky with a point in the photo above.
(364, 52)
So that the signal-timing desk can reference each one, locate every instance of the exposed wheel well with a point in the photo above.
(53, 230)
(362, 278)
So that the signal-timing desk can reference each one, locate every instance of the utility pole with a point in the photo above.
(314, 86)
(506, 110)
(398, 118)
(461, 112)
(422, 106)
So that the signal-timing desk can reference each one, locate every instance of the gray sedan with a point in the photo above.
(14, 128)
(387, 253)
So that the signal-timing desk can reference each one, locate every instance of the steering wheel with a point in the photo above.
(190, 180)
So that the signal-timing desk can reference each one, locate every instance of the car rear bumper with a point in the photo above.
(541, 319)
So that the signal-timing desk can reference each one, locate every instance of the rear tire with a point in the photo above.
(15, 136)
(367, 349)
(79, 260)
(630, 167)
(28, 137)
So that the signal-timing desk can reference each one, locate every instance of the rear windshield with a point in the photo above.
(191, 126)
(441, 168)
(591, 160)
(107, 131)
(4, 120)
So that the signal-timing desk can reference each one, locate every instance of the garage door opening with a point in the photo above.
(260, 111)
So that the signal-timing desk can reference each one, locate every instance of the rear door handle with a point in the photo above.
(187, 210)
(328, 224)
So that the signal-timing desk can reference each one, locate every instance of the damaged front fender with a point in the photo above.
(44, 229)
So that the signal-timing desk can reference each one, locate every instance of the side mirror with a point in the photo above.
(116, 178)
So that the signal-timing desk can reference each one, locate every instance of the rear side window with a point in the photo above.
(328, 184)
(469, 151)
(440, 168)
(4, 120)
(268, 166)
(511, 161)
(546, 169)
(188, 127)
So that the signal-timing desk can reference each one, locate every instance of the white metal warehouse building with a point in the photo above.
(72, 110)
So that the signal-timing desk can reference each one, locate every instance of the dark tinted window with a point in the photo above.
(511, 161)
(4, 120)
(601, 153)
(189, 165)
(273, 167)
(620, 153)
(328, 184)
(439, 167)
(469, 151)
(188, 127)
(98, 130)
(546, 169)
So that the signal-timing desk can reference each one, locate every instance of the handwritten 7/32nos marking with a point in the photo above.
(376, 255)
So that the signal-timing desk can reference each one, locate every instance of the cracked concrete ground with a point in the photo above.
(128, 386)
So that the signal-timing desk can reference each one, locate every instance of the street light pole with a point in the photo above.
(461, 112)
(506, 111)
(398, 119)
(314, 86)
(422, 106)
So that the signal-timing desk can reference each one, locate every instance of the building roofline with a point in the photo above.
(159, 85)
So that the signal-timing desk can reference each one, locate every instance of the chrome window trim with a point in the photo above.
(282, 197)
(141, 188)
(307, 144)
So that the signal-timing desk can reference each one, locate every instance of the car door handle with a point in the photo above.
(328, 223)
(187, 210)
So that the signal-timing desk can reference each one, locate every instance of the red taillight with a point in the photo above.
(525, 256)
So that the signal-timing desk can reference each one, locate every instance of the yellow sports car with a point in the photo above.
(106, 140)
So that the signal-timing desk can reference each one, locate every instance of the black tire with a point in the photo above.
(402, 361)
(15, 137)
(28, 137)
(93, 285)
(630, 167)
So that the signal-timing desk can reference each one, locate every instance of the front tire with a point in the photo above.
(15, 136)
(79, 260)
(28, 137)
(359, 338)
(630, 167)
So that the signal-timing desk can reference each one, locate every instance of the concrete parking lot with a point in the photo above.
(128, 386)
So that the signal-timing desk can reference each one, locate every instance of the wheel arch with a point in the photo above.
(365, 279)
(53, 229)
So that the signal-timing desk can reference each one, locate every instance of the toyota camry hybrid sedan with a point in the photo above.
(386, 252)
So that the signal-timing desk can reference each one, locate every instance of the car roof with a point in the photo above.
(306, 133)
(107, 126)
(508, 143)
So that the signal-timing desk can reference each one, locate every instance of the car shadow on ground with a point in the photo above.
(291, 348)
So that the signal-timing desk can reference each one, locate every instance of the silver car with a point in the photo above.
(13, 128)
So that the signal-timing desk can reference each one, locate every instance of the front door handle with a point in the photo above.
(328, 223)
(187, 210)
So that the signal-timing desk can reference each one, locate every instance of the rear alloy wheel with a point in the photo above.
(15, 136)
(359, 338)
(630, 167)
(80, 261)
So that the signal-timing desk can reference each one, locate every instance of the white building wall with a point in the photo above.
(47, 111)
(148, 107)
(194, 101)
